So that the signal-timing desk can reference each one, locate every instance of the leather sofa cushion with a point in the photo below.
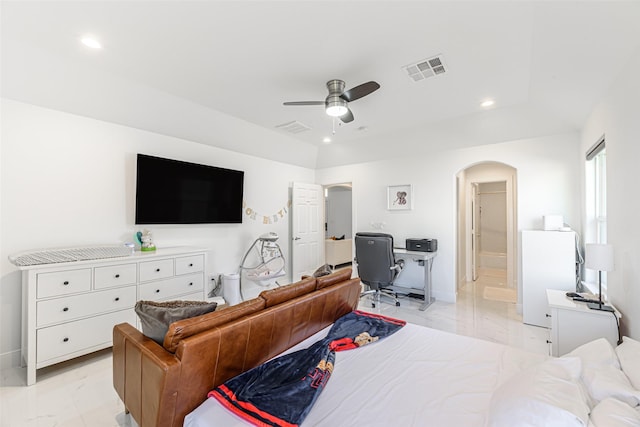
(188, 327)
(285, 293)
(339, 276)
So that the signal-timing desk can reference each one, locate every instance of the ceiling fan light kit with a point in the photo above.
(336, 106)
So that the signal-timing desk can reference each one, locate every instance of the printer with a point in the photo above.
(422, 245)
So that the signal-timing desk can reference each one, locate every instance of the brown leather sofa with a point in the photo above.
(160, 385)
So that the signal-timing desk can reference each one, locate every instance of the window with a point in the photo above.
(596, 199)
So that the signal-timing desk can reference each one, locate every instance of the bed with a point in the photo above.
(425, 377)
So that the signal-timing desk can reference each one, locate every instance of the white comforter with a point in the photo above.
(416, 377)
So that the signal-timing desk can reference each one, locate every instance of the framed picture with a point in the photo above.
(399, 197)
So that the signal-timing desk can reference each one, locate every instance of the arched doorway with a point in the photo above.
(487, 229)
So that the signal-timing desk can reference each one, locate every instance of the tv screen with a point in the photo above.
(174, 192)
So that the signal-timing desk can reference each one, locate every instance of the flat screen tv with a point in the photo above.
(175, 192)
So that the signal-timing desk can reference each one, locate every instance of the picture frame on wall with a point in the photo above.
(400, 197)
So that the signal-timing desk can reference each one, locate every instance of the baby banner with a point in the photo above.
(266, 219)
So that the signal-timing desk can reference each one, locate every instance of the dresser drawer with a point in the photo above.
(69, 308)
(60, 340)
(63, 283)
(189, 264)
(153, 270)
(114, 275)
(171, 288)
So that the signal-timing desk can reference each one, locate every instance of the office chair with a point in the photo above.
(377, 266)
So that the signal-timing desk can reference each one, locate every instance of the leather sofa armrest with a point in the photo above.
(145, 376)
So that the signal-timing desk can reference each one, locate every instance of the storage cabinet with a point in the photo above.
(69, 309)
(573, 323)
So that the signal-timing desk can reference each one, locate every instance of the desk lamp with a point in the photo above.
(599, 257)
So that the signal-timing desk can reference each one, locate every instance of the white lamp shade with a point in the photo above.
(598, 257)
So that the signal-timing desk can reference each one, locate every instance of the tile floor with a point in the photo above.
(79, 393)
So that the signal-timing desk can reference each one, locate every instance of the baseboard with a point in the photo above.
(444, 296)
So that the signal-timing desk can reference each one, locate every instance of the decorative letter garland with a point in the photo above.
(266, 219)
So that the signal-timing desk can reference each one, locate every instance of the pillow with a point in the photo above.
(156, 317)
(614, 413)
(629, 356)
(323, 270)
(546, 394)
(601, 373)
(596, 352)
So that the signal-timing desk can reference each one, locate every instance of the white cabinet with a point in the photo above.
(548, 262)
(573, 323)
(338, 251)
(69, 309)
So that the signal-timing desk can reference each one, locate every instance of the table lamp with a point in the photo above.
(599, 257)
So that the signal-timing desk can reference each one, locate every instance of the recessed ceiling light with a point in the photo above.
(326, 140)
(91, 42)
(487, 103)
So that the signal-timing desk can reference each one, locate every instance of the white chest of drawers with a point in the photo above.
(573, 323)
(69, 309)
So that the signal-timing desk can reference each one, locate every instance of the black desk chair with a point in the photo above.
(377, 266)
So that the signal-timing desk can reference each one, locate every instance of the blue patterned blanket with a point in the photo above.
(282, 391)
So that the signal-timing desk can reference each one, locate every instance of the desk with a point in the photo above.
(415, 277)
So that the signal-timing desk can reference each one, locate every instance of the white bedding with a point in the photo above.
(416, 377)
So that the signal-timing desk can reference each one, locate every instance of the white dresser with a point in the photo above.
(69, 309)
(573, 323)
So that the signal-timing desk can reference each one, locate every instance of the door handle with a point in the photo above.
(296, 238)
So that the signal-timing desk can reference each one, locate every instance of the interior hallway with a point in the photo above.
(79, 393)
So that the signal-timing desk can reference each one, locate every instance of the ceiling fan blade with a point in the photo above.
(347, 117)
(304, 103)
(359, 91)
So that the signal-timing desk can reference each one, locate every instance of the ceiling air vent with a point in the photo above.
(425, 68)
(294, 127)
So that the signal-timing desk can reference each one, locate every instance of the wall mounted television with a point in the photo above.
(175, 192)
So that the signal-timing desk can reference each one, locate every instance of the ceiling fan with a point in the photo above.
(336, 103)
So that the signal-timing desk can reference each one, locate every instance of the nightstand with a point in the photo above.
(572, 323)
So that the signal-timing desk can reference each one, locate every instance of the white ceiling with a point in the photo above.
(176, 67)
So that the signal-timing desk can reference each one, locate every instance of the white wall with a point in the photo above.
(69, 180)
(548, 180)
(617, 117)
(338, 215)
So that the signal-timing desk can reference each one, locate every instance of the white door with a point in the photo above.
(307, 229)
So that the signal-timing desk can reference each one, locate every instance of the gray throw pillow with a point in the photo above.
(323, 270)
(156, 317)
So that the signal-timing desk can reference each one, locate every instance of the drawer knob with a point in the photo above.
(157, 291)
(66, 282)
(191, 265)
(157, 270)
(117, 276)
(65, 309)
(65, 339)
(190, 283)
(117, 298)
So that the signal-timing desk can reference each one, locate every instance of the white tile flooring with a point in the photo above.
(79, 393)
